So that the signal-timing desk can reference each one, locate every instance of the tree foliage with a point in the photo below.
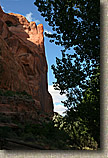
(71, 20)
(78, 132)
(76, 24)
(89, 108)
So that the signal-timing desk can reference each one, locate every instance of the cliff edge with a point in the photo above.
(23, 65)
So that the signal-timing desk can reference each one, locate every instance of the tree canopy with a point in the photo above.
(76, 24)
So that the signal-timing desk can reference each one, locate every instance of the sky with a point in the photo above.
(30, 11)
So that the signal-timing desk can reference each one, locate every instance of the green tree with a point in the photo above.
(76, 24)
(89, 108)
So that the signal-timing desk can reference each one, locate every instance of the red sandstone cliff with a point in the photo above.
(23, 65)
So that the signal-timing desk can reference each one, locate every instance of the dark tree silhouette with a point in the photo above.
(76, 23)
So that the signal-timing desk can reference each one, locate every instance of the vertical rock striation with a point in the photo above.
(23, 65)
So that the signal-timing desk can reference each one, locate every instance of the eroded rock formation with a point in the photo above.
(23, 65)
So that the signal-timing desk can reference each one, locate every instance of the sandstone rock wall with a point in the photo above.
(23, 65)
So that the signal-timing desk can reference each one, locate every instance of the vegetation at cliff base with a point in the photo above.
(51, 135)
(8, 93)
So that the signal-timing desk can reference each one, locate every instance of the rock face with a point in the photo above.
(23, 65)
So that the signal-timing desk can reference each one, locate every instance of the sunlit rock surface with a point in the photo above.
(23, 65)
